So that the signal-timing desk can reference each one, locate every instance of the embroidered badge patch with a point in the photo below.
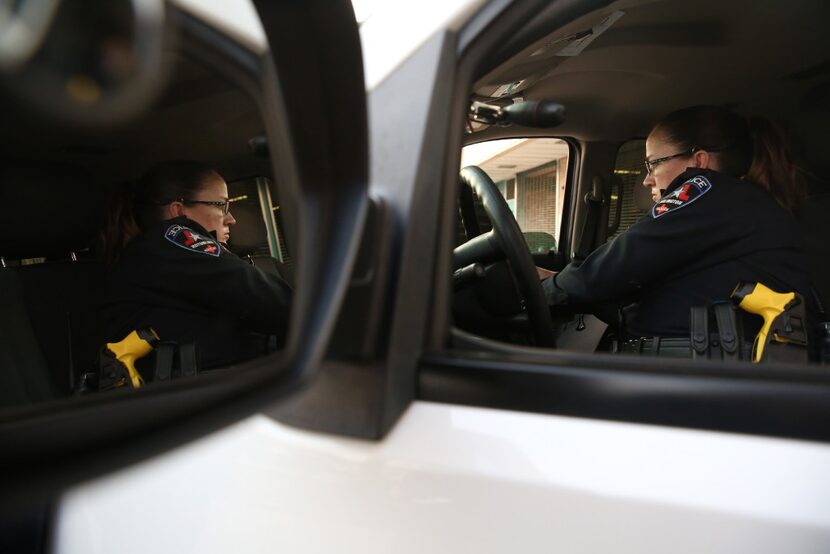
(682, 196)
(189, 239)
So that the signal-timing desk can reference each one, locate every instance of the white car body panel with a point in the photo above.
(460, 479)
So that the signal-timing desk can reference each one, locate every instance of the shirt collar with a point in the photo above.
(185, 221)
(683, 177)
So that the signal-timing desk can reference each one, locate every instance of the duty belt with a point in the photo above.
(715, 334)
(671, 347)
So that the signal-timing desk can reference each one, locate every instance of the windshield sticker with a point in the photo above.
(580, 41)
(682, 196)
(187, 238)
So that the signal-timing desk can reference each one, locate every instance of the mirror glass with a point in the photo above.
(145, 241)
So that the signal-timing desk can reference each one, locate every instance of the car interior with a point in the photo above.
(616, 71)
(56, 181)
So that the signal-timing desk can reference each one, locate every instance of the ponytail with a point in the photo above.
(121, 225)
(752, 148)
(773, 166)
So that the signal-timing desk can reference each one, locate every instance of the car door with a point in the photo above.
(500, 447)
(588, 452)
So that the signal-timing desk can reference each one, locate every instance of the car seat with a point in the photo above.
(49, 280)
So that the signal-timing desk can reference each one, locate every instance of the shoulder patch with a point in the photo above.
(187, 238)
(682, 196)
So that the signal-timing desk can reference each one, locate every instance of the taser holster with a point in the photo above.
(783, 334)
(718, 330)
(116, 363)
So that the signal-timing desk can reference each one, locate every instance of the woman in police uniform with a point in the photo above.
(173, 272)
(725, 189)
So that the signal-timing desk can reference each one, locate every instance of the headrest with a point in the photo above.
(49, 209)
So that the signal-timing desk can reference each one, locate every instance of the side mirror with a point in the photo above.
(192, 114)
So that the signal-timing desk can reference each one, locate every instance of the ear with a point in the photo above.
(702, 159)
(175, 209)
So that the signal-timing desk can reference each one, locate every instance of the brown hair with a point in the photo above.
(754, 148)
(137, 206)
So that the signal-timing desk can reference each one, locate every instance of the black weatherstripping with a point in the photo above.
(780, 402)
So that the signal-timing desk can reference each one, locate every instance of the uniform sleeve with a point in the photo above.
(226, 284)
(648, 252)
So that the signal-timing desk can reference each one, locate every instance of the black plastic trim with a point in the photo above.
(740, 398)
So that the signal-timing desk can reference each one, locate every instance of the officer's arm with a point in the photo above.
(645, 254)
(229, 285)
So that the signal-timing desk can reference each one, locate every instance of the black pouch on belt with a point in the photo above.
(716, 333)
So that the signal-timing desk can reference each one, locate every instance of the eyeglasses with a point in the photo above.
(650, 164)
(224, 204)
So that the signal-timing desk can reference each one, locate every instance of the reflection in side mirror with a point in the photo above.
(227, 83)
(143, 269)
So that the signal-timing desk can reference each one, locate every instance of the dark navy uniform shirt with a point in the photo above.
(177, 279)
(706, 233)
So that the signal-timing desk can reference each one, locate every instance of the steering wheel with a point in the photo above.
(505, 240)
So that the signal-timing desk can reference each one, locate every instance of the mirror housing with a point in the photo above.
(46, 447)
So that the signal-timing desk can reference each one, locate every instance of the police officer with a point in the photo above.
(176, 274)
(722, 215)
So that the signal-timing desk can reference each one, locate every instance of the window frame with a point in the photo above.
(772, 400)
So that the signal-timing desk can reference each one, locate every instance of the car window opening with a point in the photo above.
(776, 301)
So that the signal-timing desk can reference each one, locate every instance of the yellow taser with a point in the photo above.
(134, 346)
(756, 298)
